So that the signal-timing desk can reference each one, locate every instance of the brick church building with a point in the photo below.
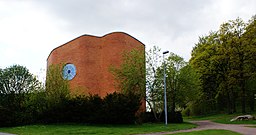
(87, 60)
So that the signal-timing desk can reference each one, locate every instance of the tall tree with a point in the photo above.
(174, 64)
(154, 81)
(17, 79)
(57, 88)
(201, 60)
(16, 86)
(182, 82)
(189, 86)
(130, 76)
(224, 60)
(249, 38)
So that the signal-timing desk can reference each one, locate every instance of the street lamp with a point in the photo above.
(165, 100)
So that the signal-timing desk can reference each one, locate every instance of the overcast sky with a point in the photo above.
(29, 29)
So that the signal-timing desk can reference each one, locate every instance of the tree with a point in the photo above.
(57, 88)
(250, 52)
(237, 59)
(173, 65)
(225, 60)
(16, 86)
(154, 82)
(17, 79)
(189, 86)
(130, 76)
(1, 83)
(182, 82)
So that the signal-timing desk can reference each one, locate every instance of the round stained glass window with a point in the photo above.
(69, 71)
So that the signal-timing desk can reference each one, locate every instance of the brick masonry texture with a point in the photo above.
(93, 57)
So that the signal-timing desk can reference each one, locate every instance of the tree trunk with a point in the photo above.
(174, 94)
(252, 102)
(153, 110)
(233, 101)
(234, 104)
(173, 105)
(243, 96)
(229, 104)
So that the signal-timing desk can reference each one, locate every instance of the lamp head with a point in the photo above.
(165, 52)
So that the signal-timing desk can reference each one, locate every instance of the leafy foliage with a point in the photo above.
(57, 88)
(115, 108)
(154, 89)
(182, 84)
(225, 60)
(55, 104)
(17, 79)
(121, 108)
(16, 85)
(130, 76)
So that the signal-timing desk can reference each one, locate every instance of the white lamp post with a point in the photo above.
(165, 99)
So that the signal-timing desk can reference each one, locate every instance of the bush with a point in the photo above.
(77, 109)
(115, 108)
(16, 83)
(6, 117)
(56, 105)
(175, 117)
(12, 109)
(172, 117)
(149, 117)
(120, 108)
(93, 109)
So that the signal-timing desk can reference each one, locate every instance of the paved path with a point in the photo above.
(204, 125)
(5, 134)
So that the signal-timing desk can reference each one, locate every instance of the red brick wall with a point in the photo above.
(92, 57)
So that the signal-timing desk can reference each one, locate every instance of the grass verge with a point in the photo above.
(82, 129)
(209, 132)
(221, 118)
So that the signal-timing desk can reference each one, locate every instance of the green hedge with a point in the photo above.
(115, 108)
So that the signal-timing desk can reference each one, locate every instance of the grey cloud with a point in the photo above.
(162, 15)
(151, 20)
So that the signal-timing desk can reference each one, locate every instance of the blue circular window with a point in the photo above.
(69, 71)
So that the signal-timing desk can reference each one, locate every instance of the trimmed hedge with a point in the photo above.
(115, 108)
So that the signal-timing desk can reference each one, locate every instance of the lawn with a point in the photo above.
(221, 118)
(209, 132)
(82, 129)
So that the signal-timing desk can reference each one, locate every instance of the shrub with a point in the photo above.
(15, 84)
(55, 105)
(175, 117)
(56, 95)
(121, 108)
(149, 117)
(6, 117)
(115, 108)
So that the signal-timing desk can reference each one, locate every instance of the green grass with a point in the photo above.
(209, 132)
(221, 118)
(83, 129)
(80, 129)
